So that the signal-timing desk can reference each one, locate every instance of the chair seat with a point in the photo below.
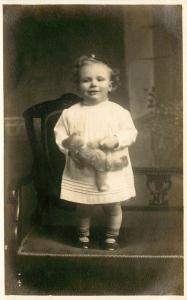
(143, 235)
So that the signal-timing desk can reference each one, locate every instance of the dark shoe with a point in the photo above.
(111, 244)
(84, 242)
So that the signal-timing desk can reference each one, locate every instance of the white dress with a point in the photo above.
(95, 122)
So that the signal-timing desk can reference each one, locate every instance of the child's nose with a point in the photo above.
(93, 82)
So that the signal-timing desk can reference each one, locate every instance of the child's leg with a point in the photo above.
(113, 214)
(84, 217)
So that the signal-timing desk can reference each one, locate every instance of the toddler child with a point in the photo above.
(96, 119)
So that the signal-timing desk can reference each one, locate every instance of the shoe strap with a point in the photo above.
(84, 239)
(110, 240)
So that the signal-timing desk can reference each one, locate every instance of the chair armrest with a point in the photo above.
(16, 185)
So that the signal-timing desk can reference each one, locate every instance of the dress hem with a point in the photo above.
(106, 200)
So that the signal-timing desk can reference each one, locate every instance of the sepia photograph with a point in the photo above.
(93, 149)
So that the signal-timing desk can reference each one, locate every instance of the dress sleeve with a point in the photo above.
(61, 131)
(127, 131)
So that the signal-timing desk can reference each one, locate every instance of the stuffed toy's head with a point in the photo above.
(73, 142)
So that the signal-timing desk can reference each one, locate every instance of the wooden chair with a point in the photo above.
(46, 243)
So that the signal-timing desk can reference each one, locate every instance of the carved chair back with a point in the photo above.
(48, 161)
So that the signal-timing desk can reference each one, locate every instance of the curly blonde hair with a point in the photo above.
(87, 59)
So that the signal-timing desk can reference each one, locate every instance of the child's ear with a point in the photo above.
(110, 88)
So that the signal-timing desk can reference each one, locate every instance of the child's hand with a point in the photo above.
(109, 143)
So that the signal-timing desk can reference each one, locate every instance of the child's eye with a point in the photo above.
(100, 78)
(85, 80)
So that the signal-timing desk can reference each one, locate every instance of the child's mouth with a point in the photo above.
(93, 92)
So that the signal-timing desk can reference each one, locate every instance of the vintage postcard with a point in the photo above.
(94, 116)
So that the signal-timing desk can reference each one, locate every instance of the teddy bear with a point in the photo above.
(89, 154)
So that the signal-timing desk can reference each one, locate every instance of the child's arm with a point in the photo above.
(124, 137)
(127, 131)
(61, 132)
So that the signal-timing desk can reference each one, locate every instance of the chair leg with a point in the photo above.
(19, 279)
(19, 273)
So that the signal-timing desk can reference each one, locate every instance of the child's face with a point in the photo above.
(95, 82)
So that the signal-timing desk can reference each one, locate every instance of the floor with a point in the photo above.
(149, 261)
